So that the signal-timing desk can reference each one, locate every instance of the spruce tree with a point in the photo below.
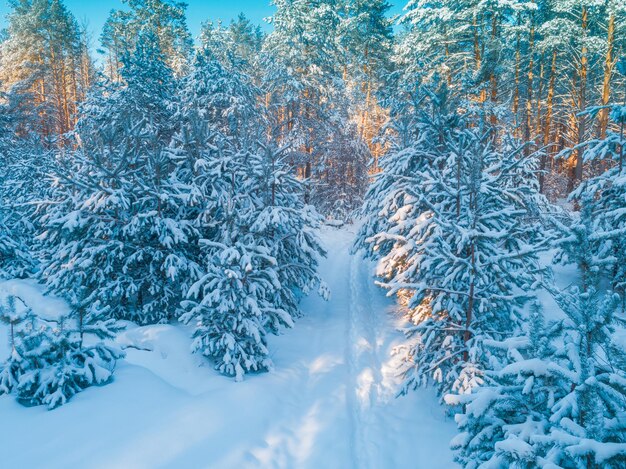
(115, 224)
(454, 224)
(13, 313)
(22, 181)
(50, 360)
(602, 220)
(559, 399)
(238, 44)
(258, 251)
(587, 425)
(124, 31)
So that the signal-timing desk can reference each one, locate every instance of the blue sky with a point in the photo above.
(95, 12)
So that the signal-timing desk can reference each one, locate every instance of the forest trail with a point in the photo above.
(347, 380)
(330, 402)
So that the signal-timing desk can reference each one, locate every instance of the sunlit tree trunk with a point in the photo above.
(478, 57)
(493, 79)
(609, 63)
(581, 120)
(530, 76)
(547, 126)
(517, 75)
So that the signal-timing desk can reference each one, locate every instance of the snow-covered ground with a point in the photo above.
(329, 403)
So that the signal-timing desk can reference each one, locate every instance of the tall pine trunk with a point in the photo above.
(531, 64)
(581, 120)
(609, 63)
(547, 126)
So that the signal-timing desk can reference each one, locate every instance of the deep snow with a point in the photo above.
(329, 403)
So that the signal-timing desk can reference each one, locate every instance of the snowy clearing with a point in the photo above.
(330, 402)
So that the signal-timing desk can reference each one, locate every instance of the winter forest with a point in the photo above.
(357, 234)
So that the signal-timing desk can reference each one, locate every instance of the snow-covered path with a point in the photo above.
(329, 403)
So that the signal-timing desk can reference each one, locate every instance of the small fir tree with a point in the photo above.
(51, 361)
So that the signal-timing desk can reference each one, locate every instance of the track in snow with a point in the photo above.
(359, 328)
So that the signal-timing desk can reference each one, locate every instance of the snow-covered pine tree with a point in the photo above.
(260, 258)
(232, 305)
(240, 41)
(435, 126)
(245, 291)
(58, 363)
(115, 224)
(259, 251)
(14, 257)
(501, 418)
(13, 313)
(51, 361)
(588, 425)
(229, 302)
(123, 31)
(602, 219)
(286, 226)
(559, 402)
(453, 222)
(21, 181)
